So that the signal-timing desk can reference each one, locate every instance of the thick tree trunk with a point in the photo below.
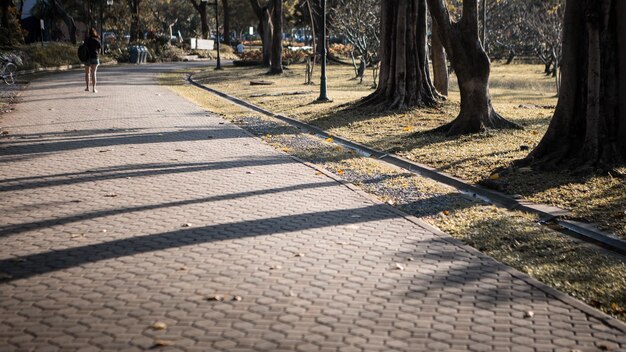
(404, 80)
(471, 66)
(135, 31)
(276, 61)
(588, 128)
(440, 64)
(4, 18)
(265, 28)
(226, 12)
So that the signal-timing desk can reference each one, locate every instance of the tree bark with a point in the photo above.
(135, 30)
(404, 80)
(588, 129)
(265, 28)
(440, 64)
(226, 12)
(276, 60)
(201, 7)
(67, 19)
(471, 66)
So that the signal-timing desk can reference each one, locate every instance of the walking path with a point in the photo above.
(132, 207)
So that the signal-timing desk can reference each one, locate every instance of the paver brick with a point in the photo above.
(97, 192)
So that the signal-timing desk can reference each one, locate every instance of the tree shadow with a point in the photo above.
(133, 171)
(54, 145)
(12, 230)
(51, 261)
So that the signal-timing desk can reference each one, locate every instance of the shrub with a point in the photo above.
(340, 49)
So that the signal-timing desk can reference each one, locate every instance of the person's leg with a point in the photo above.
(94, 68)
(86, 78)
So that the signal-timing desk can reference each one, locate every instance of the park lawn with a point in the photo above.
(519, 92)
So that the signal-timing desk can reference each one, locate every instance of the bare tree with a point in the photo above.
(358, 21)
(472, 68)
(265, 27)
(404, 78)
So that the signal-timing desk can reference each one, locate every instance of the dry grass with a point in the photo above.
(511, 237)
(520, 92)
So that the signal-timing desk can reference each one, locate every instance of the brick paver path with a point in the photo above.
(133, 206)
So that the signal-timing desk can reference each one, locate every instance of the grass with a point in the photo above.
(585, 272)
(519, 92)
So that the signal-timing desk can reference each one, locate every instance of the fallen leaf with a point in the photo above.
(268, 136)
(319, 173)
(276, 267)
(249, 172)
(494, 176)
(529, 314)
(182, 268)
(329, 139)
(340, 171)
(180, 150)
(299, 255)
(77, 235)
(237, 298)
(338, 148)
(215, 298)
(407, 128)
(409, 259)
(446, 213)
(159, 325)
(5, 132)
(104, 230)
(399, 266)
(391, 202)
(187, 225)
(105, 150)
(110, 195)
(163, 343)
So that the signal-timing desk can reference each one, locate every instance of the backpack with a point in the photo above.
(83, 52)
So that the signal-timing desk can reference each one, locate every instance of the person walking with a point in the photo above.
(91, 65)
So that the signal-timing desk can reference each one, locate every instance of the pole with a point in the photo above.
(217, 36)
(323, 89)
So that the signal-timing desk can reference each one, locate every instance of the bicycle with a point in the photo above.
(9, 70)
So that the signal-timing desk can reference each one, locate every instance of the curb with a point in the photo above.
(586, 232)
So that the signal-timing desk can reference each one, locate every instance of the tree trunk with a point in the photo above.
(226, 12)
(276, 60)
(265, 28)
(404, 81)
(471, 66)
(588, 130)
(201, 7)
(440, 64)
(67, 19)
(135, 31)
(4, 18)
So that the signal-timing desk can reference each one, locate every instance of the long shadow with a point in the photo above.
(145, 170)
(125, 118)
(126, 139)
(12, 230)
(37, 264)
